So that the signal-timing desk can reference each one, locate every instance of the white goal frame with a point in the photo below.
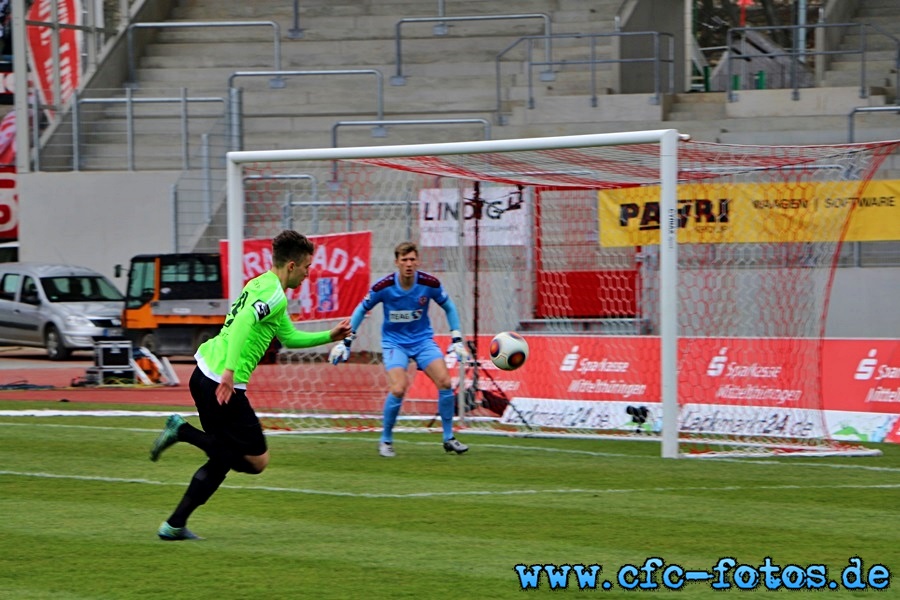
(668, 182)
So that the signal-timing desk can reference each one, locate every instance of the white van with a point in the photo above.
(58, 307)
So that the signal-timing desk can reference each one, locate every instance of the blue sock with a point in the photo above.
(391, 410)
(446, 402)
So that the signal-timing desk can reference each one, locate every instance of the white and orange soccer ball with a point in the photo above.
(509, 350)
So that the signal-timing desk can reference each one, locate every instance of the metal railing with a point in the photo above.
(851, 118)
(236, 117)
(132, 81)
(796, 53)
(400, 79)
(129, 101)
(287, 209)
(384, 123)
(592, 61)
(199, 192)
(296, 32)
(314, 203)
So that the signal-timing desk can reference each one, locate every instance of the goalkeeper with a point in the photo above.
(232, 436)
(407, 334)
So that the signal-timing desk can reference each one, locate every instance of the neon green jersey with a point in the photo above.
(258, 315)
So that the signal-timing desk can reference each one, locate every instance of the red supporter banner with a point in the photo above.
(726, 385)
(338, 276)
(9, 204)
(40, 53)
(8, 140)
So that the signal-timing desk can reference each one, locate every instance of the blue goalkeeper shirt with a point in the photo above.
(406, 311)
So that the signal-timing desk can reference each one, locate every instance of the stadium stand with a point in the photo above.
(453, 77)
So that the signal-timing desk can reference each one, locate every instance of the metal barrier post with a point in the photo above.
(129, 126)
(295, 33)
(76, 132)
(594, 100)
(441, 28)
(851, 129)
(207, 177)
(400, 79)
(185, 154)
(379, 81)
(173, 206)
(235, 125)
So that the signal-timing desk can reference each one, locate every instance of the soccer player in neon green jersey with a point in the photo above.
(232, 436)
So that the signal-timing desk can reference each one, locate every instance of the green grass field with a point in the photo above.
(80, 504)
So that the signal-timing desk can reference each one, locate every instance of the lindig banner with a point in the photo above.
(503, 220)
(760, 386)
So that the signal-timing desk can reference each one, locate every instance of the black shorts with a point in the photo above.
(235, 423)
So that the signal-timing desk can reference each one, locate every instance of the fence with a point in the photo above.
(795, 58)
(663, 80)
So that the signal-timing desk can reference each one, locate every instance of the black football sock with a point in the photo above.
(196, 437)
(203, 485)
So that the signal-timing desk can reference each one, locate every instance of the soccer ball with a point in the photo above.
(508, 350)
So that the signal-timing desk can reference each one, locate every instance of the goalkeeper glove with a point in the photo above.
(458, 347)
(341, 352)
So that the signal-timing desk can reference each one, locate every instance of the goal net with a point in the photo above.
(669, 290)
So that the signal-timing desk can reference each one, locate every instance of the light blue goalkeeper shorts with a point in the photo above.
(398, 355)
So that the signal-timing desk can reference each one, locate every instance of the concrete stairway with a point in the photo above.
(450, 76)
(880, 21)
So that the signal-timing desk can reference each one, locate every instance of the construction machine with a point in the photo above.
(174, 302)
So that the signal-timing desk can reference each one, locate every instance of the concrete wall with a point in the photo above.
(864, 304)
(665, 16)
(102, 219)
(812, 102)
(95, 219)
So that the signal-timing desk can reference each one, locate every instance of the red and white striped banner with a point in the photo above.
(40, 50)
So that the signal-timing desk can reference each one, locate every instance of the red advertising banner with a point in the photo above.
(590, 294)
(8, 140)
(338, 276)
(726, 385)
(9, 204)
(40, 46)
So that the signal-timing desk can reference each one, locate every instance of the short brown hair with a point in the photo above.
(405, 248)
(290, 245)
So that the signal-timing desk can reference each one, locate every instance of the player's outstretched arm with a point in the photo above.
(341, 331)
(291, 338)
(341, 351)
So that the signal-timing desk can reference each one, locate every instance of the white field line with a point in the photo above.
(311, 492)
(787, 462)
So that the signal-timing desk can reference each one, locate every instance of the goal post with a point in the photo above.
(638, 261)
